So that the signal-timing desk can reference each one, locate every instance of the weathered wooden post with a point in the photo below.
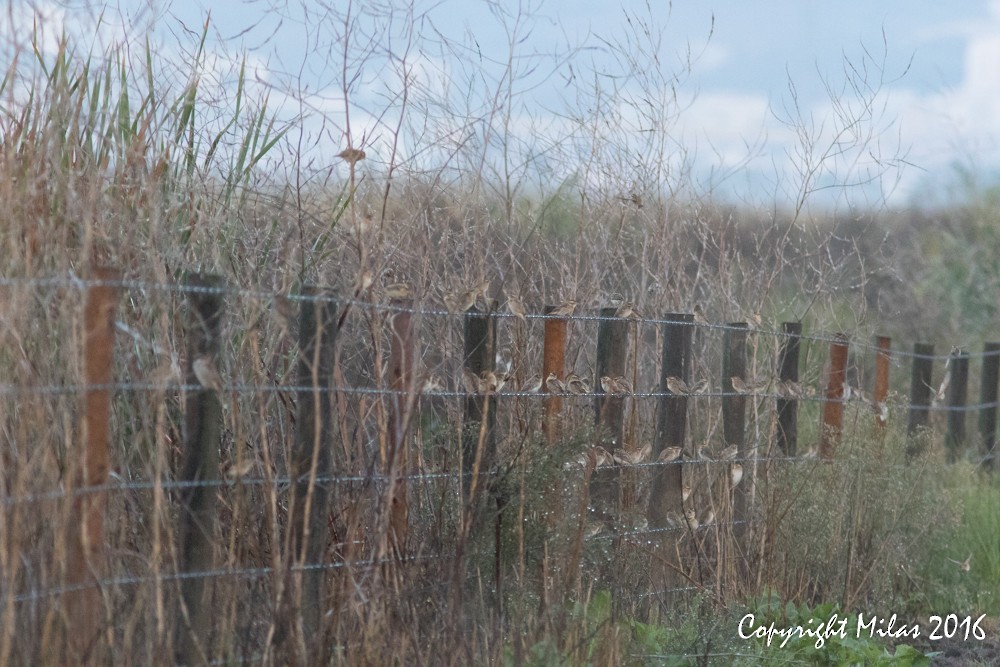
(609, 412)
(988, 399)
(833, 408)
(479, 441)
(920, 397)
(958, 393)
(666, 495)
(86, 558)
(881, 389)
(787, 406)
(734, 364)
(553, 361)
(202, 434)
(312, 464)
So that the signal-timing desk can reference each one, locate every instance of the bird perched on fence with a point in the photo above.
(351, 155)
(729, 453)
(554, 384)
(576, 384)
(739, 386)
(516, 307)
(700, 387)
(532, 385)
(398, 291)
(691, 518)
(565, 309)
(627, 311)
(677, 385)
(616, 300)
(621, 386)
(669, 454)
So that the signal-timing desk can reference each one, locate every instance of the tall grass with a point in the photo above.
(105, 163)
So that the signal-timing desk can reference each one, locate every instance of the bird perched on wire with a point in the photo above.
(729, 453)
(576, 384)
(627, 311)
(351, 155)
(565, 309)
(669, 454)
(700, 387)
(677, 385)
(739, 386)
(398, 291)
(516, 307)
(532, 385)
(621, 385)
(691, 518)
(554, 385)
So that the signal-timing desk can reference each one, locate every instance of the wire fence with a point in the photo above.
(713, 498)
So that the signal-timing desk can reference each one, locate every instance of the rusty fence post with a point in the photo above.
(988, 400)
(787, 407)
(920, 397)
(553, 361)
(665, 494)
(958, 393)
(202, 435)
(312, 464)
(833, 408)
(86, 558)
(881, 389)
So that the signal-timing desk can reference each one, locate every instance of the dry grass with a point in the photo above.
(95, 173)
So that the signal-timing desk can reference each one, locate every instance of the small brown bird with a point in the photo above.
(351, 155)
(729, 453)
(669, 454)
(515, 306)
(554, 384)
(207, 376)
(964, 565)
(470, 381)
(365, 280)
(788, 389)
(677, 385)
(565, 310)
(627, 311)
(709, 518)
(576, 384)
(692, 520)
(607, 386)
(238, 470)
(398, 291)
(700, 387)
(615, 300)
(739, 386)
(532, 385)
(735, 474)
(621, 385)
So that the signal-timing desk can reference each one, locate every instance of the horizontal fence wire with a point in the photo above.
(397, 307)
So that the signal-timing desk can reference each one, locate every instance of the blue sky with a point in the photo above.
(930, 95)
